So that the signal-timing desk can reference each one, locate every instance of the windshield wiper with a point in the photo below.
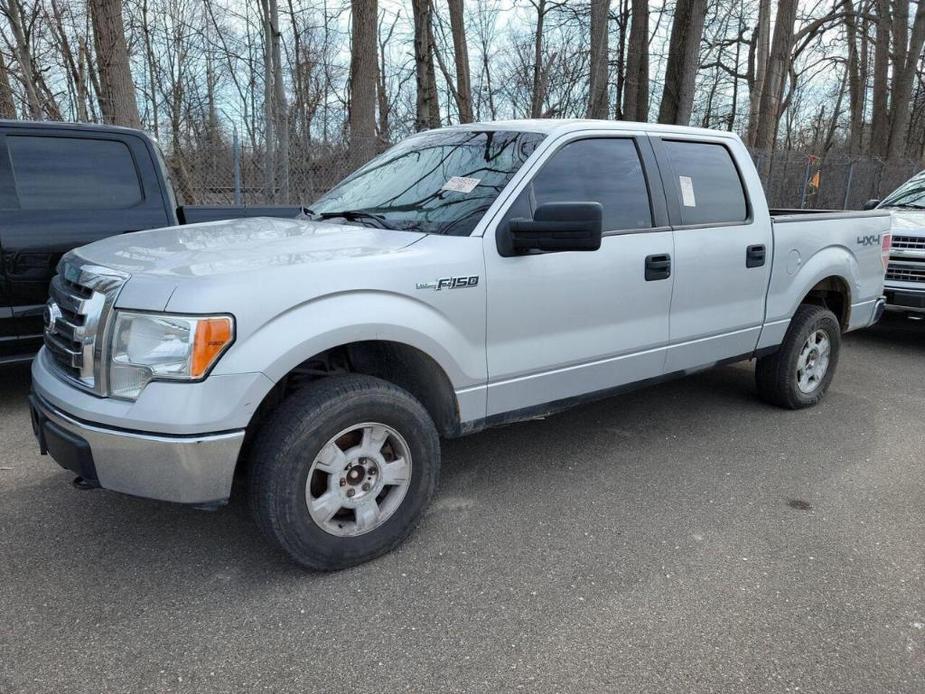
(357, 215)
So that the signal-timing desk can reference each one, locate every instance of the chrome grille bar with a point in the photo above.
(76, 320)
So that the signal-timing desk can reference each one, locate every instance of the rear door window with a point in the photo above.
(55, 173)
(708, 183)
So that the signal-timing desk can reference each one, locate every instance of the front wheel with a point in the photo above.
(343, 471)
(799, 373)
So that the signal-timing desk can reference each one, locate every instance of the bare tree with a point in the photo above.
(13, 10)
(906, 60)
(598, 101)
(7, 105)
(758, 61)
(856, 70)
(779, 61)
(683, 62)
(463, 89)
(428, 104)
(117, 100)
(880, 117)
(363, 77)
(636, 82)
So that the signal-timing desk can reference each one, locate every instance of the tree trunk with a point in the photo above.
(7, 105)
(280, 106)
(428, 103)
(269, 102)
(461, 56)
(761, 47)
(901, 98)
(683, 62)
(636, 85)
(856, 81)
(538, 95)
(880, 117)
(13, 11)
(598, 101)
(771, 94)
(363, 76)
(118, 90)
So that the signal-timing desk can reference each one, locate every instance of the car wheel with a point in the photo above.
(799, 373)
(343, 471)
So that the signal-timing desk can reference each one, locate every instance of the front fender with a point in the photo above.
(288, 339)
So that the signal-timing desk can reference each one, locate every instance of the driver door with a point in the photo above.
(562, 325)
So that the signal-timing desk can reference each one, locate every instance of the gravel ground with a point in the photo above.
(685, 538)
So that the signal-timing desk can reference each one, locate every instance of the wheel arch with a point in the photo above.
(834, 293)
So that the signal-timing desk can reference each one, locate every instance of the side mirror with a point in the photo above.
(871, 204)
(555, 227)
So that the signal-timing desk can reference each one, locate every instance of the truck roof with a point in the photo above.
(548, 126)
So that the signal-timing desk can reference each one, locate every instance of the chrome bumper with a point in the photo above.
(194, 469)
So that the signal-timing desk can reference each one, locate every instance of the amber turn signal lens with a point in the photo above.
(213, 335)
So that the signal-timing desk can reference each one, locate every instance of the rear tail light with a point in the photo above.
(887, 244)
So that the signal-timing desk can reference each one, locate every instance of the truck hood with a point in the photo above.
(908, 222)
(240, 245)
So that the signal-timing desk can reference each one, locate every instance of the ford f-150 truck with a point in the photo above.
(467, 277)
(905, 275)
(64, 185)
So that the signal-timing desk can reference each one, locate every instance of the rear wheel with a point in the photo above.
(344, 471)
(799, 373)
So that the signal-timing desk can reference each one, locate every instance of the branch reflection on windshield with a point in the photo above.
(439, 182)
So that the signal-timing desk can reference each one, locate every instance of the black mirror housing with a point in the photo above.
(871, 204)
(556, 227)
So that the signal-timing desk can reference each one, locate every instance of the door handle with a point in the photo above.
(658, 267)
(755, 256)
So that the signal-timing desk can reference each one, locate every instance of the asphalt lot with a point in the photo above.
(686, 538)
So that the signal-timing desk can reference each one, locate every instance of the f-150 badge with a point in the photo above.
(449, 283)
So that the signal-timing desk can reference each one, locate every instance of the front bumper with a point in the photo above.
(905, 300)
(191, 469)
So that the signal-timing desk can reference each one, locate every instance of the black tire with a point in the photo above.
(776, 374)
(288, 443)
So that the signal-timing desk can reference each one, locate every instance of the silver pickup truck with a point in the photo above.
(467, 277)
(905, 275)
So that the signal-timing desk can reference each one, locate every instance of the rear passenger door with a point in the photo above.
(563, 325)
(69, 187)
(723, 249)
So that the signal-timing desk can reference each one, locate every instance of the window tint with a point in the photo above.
(54, 173)
(709, 184)
(607, 171)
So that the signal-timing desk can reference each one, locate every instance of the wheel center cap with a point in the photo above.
(356, 474)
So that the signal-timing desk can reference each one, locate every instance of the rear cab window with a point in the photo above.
(58, 173)
(709, 187)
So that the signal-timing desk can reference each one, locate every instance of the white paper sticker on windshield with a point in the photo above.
(687, 191)
(461, 184)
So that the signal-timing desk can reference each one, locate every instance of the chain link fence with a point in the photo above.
(834, 182)
(235, 174)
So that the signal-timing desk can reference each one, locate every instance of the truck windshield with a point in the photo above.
(438, 182)
(909, 194)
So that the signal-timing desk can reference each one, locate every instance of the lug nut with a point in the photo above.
(366, 487)
(343, 482)
(351, 492)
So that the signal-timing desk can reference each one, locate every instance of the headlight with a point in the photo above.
(157, 346)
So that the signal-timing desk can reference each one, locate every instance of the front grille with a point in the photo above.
(81, 299)
(909, 243)
(905, 272)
